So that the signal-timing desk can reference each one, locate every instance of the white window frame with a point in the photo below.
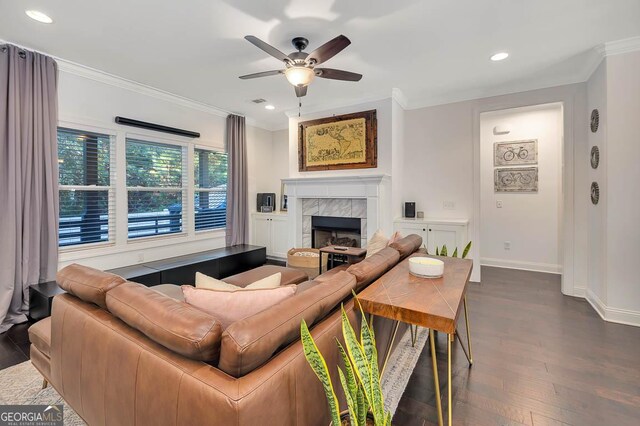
(111, 188)
(193, 174)
(185, 188)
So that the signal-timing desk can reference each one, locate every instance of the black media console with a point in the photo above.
(218, 263)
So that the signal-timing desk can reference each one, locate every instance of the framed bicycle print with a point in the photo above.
(515, 153)
(516, 179)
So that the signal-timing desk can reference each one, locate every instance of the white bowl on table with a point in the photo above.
(426, 267)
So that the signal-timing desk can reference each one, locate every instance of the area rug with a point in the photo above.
(22, 383)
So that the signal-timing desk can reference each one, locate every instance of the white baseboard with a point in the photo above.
(620, 316)
(579, 292)
(525, 266)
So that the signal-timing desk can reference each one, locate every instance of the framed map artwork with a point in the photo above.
(340, 142)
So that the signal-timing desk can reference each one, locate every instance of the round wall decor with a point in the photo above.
(595, 157)
(595, 192)
(595, 120)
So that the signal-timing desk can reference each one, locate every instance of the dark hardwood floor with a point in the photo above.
(540, 358)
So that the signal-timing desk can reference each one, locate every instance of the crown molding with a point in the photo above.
(398, 96)
(619, 47)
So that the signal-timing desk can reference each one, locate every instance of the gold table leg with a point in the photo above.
(436, 381)
(44, 384)
(449, 340)
(393, 337)
(466, 319)
(414, 335)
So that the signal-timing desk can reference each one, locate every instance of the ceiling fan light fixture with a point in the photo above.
(36, 15)
(299, 75)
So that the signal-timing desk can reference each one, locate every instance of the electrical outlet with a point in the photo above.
(449, 205)
(507, 245)
(499, 204)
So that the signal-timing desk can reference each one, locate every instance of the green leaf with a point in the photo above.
(357, 356)
(437, 252)
(362, 407)
(455, 253)
(443, 251)
(352, 384)
(319, 366)
(369, 346)
(351, 403)
(465, 252)
(387, 420)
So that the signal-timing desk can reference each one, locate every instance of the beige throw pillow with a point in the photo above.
(210, 283)
(377, 242)
(231, 306)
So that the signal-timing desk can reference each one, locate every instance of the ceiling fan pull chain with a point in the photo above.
(299, 107)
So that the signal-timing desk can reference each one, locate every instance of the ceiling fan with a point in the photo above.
(300, 67)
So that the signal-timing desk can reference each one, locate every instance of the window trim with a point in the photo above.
(184, 188)
(111, 189)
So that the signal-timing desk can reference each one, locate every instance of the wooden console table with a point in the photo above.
(353, 254)
(433, 303)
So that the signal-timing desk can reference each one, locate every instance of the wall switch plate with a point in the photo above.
(499, 204)
(507, 245)
(449, 205)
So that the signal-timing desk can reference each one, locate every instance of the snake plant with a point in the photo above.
(443, 251)
(360, 379)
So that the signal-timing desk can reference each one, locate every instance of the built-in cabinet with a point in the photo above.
(435, 233)
(270, 230)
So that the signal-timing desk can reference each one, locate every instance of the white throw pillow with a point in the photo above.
(377, 242)
(210, 283)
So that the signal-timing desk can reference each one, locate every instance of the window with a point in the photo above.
(85, 191)
(155, 188)
(210, 189)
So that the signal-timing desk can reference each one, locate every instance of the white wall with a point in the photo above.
(623, 177)
(596, 230)
(442, 158)
(91, 100)
(529, 221)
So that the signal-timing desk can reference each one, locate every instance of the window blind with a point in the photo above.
(210, 189)
(85, 187)
(155, 188)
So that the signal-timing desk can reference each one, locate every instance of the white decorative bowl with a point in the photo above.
(426, 267)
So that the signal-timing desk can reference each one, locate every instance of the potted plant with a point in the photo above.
(360, 379)
(443, 251)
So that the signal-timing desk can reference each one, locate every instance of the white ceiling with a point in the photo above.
(432, 50)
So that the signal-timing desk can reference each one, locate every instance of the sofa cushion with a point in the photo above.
(289, 275)
(232, 306)
(40, 336)
(372, 268)
(172, 290)
(407, 245)
(249, 343)
(173, 324)
(207, 282)
(88, 284)
(377, 242)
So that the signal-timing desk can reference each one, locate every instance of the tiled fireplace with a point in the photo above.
(334, 220)
(363, 198)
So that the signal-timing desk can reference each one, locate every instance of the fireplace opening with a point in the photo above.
(339, 231)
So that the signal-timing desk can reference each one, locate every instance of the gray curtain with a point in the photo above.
(237, 196)
(28, 178)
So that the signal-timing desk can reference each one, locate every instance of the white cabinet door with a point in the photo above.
(413, 228)
(448, 235)
(279, 238)
(262, 232)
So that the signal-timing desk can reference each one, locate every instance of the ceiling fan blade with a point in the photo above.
(261, 74)
(267, 48)
(337, 74)
(329, 49)
(301, 91)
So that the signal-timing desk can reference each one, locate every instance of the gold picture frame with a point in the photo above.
(348, 141)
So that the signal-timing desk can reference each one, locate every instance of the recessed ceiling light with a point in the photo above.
(39, 16)
(500, 56)
(269, 107)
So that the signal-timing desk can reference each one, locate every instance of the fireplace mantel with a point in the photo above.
(376, 189)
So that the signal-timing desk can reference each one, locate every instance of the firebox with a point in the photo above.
(340, 231)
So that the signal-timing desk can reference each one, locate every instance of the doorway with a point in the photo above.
(521, 185)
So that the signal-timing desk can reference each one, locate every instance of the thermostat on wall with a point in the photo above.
(501, 130)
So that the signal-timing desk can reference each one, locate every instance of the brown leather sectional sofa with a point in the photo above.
(121, 353)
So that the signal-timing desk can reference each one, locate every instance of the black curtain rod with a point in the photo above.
(157, 127)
